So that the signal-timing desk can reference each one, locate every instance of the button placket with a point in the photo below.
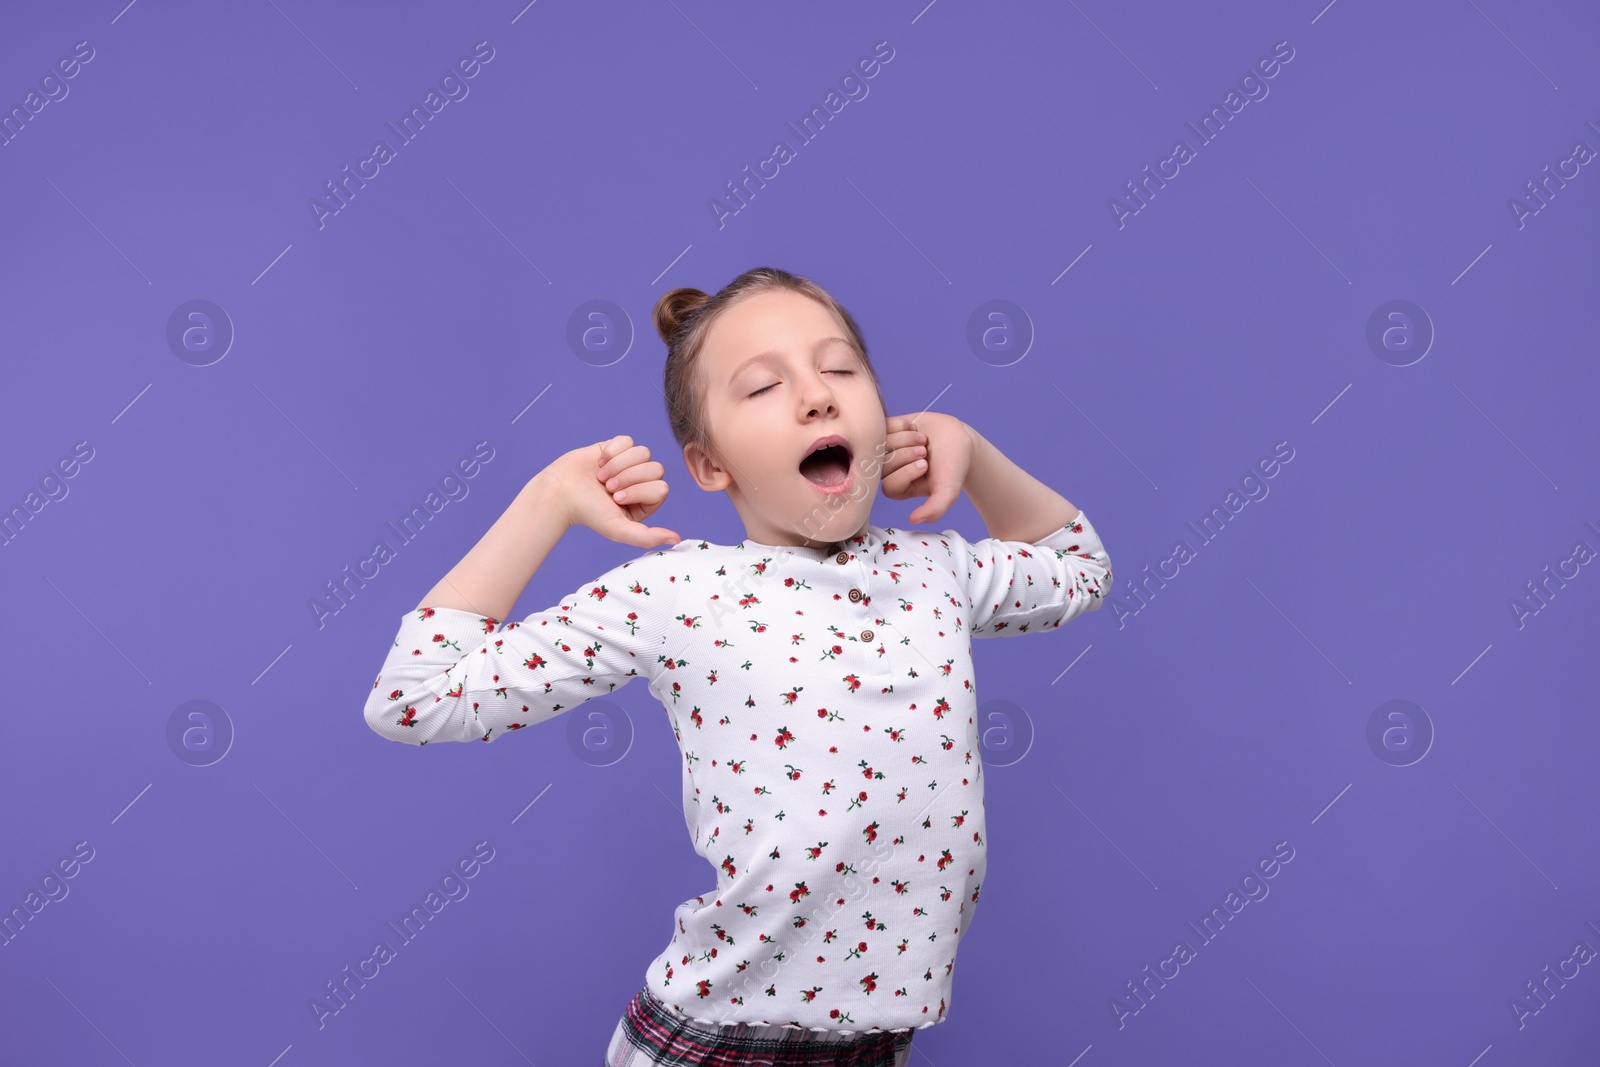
(881, 670)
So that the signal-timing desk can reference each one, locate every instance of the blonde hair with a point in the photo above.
(683, 317)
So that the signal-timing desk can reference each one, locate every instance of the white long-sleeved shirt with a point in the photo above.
(825, 709)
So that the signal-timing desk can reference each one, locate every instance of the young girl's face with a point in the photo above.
(780, 374)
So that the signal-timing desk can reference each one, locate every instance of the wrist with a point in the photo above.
(981, 466)
(544, 496)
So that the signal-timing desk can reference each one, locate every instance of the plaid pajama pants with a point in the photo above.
(652, 1033)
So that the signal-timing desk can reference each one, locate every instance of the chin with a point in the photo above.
(828, 525)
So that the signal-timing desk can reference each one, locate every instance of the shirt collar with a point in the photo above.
(862, 544)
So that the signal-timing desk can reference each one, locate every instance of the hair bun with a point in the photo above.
(673, 307)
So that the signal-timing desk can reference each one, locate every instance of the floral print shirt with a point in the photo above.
(825, 709)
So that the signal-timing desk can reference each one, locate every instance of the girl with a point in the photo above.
(817, 675)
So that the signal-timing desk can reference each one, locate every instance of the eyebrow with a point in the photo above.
(776, 357)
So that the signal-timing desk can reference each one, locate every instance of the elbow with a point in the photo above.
(1094, 581)
(1092, 595)
(391, 716)
(421, 717)
(1086, 596)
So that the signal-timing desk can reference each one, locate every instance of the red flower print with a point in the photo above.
(896, 672)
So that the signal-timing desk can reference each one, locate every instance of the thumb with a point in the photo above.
(640, 535)
(938, 502)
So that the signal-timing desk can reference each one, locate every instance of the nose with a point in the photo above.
(817, 396)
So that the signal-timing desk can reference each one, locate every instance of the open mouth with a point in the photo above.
(828, 466)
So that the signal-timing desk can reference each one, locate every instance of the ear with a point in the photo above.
(704, 469)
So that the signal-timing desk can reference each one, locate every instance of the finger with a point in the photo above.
(898, 484)
(653, 492)
(639, 472)
(879, 463)
(612, 446)
(898, 490)
(899, 460)
(619, 458)
(622, 460)
(637, 533)
(899, 453)
(904, 424)
(902, 439)
(938, 502)
(642, 511)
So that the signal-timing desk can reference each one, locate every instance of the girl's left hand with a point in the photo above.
(947, 457)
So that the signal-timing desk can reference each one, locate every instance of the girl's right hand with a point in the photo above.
(612, 487)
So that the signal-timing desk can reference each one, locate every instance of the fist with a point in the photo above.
(612, 487)
(933, 454)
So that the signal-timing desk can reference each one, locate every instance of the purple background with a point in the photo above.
(1227, 712)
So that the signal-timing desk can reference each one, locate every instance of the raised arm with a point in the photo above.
(1019, 587)
(493, 574)
(450, 675)
(1042, 562)
(611, 487)
(1014, 505)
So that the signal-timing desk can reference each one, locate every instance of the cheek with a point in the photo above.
(739, 434)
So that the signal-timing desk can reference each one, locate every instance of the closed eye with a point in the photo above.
(774, 385)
